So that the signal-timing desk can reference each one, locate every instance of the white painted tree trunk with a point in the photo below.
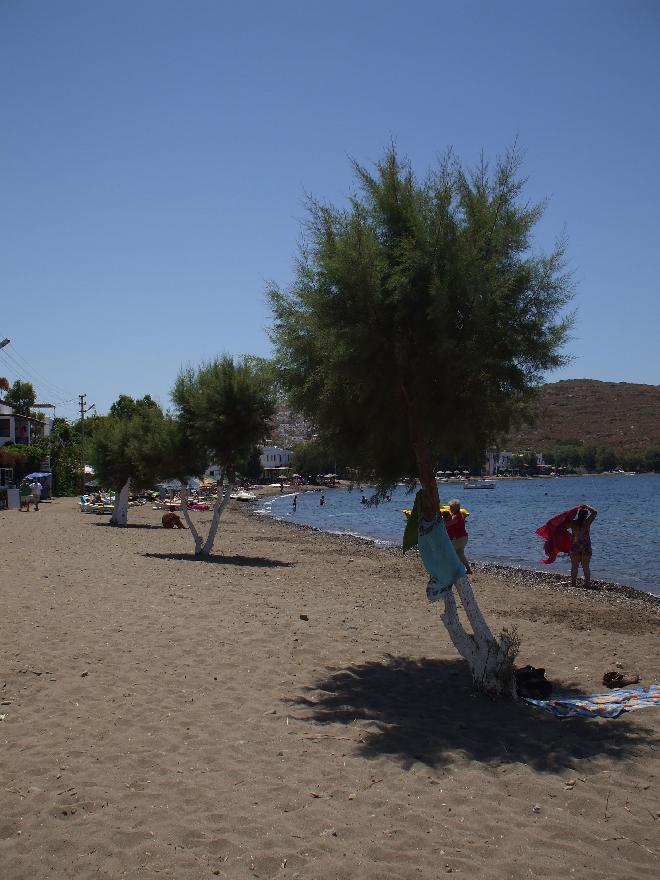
(490, 659)
(204, 547)
(185, 493)
(120, 511)
(218, 510)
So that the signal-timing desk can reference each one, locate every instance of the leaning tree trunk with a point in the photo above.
(191, 525)
(490, 660)
(120, 511)
(204, 548)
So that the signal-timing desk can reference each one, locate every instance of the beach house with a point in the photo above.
(21, 429)
(274, 461)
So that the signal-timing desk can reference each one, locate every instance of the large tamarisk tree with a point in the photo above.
(419, 322)
(223, 410)
(134, 446)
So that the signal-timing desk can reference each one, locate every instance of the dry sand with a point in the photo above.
(294, 708)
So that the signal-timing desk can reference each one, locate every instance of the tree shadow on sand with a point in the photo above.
(253, 561)
(426, 711)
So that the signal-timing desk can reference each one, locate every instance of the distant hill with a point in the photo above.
(619, 415)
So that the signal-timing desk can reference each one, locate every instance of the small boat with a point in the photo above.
(479, 484)
(243, 496)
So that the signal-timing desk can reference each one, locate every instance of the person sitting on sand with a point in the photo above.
(581, 543)
(172, 520)
(457, 532)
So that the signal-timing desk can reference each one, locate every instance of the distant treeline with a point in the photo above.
(575, 455)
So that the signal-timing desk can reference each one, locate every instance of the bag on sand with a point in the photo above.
(531, 682)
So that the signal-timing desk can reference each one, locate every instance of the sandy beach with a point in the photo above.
(293, 708)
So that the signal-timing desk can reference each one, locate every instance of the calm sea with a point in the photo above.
(625, 536)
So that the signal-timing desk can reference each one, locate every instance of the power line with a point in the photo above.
(20, 370)
(28, 366)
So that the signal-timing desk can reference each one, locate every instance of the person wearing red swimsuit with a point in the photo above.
(457, 532)
(581, 543)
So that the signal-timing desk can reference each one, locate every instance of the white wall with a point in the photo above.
(274, 457)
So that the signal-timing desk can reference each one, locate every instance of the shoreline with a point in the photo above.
(520, 574)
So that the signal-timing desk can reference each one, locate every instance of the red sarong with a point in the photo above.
(556, 537)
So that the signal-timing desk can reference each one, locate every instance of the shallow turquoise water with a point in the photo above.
(625, 536)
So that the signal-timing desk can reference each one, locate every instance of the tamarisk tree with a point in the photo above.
(223, 410)
(134, 445)
(419, 322)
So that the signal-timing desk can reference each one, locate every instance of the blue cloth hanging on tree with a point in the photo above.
(436, 550)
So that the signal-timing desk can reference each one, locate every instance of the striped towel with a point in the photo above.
(609, 705)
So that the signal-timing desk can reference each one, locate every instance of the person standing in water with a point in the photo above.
(581, 543)
(295, 503)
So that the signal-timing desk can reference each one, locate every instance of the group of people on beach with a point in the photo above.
(567, 532)
(30, 493)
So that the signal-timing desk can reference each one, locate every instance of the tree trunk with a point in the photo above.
(218, 510)
(120, 511)
(185, 492)
(204, 548)
(490, 660)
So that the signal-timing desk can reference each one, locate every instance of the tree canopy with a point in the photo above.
(223, 409)
(21, 398)
(126, 407)
(140, 447)
(419, 320)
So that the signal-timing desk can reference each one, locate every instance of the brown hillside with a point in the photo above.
(619, 415)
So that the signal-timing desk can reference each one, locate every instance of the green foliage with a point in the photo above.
(313, 457)
(126, 407)
(249, 466)
(652, 460)
(21, 398)
(223, 410)
(596, 459)
(65, 457)
(10, 458)
(138, 442)
(27, 458)
(419, 319)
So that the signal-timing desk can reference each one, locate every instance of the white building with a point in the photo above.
(498, 461)
(274, 457)
(18, 429)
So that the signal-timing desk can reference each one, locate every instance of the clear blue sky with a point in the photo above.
(155, 155)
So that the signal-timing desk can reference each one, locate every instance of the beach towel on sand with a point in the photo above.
(556, 537)
(609, 705)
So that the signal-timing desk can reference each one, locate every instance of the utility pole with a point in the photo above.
(82, 398)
